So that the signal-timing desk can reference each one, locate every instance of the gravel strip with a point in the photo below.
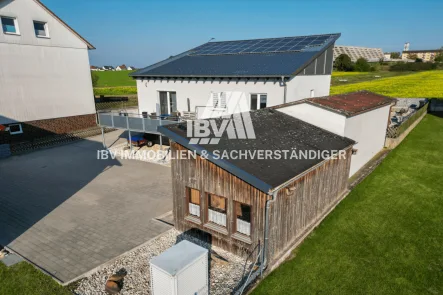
(224, 275)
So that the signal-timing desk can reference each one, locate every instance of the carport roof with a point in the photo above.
(274, 131)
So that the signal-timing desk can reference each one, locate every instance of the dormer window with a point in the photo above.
(10, 25)
(41, 29)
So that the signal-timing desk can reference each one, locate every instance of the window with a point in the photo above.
(168, 102)
(219, 100)
(193, 197)
(41, 29)
(259, 101)
(10, 25)
(243, 218)
(15, 129)
(217, 209)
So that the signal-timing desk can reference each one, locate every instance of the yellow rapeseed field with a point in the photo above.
(424, 84)
(344, 74)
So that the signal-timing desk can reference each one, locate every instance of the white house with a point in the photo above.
(361, 116)
(131, 68)
(45, 80)
(268, 71)
(121, 68)
(108, 68)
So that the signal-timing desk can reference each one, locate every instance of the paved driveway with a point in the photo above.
(68, 212)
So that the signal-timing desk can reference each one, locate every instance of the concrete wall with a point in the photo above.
(42, 78)
(199, 92)
(322, 118)
(369, 131)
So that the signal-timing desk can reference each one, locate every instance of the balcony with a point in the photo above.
(134, 122)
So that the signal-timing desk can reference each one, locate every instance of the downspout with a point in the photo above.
(284, 90)
(266, 233)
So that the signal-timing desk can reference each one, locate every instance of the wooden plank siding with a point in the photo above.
(293, 213)
(207, 177)
(296, 211)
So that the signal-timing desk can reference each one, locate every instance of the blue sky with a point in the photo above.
(141, 32)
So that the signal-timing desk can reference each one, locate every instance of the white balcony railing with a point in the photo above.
(194, 209)
(217, 217)
(243, 227)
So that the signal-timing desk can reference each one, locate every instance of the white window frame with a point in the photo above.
(46, 29)
(17, 29)
(258, 100)
(16, 132)
(221, 105)
(168, 92)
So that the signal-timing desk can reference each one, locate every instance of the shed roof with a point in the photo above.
(274, 131)
(243, 58)
(352, 104)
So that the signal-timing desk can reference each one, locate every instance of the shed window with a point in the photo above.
(243, 218)
(41, 29)
(10, 25)
(217, 209)
(193, 197)
(15, 129)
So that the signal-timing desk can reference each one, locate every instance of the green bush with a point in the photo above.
(115, 90)
(362, 65)
(94, 78)
(412, 66)
(343, 63)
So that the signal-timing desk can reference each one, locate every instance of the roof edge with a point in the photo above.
(89, 45)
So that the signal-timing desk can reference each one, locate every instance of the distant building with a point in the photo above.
(121, 68)
(425, 55)
(370, 54)
(387, 55)
(108, 68)
(94, 68)
(131, 68)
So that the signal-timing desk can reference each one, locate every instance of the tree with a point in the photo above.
(94, 78)
(362, 65)
(418, 60)
(343, 63)
(395, 55)
(439, 57)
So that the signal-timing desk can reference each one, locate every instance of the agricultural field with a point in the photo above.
(427, 84)
(385, 237)
(114, 78)
(120, 90)
(345, 78)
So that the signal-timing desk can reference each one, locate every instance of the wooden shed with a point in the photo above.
(246, 202)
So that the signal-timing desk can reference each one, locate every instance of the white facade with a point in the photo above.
(199, 91)
(354, 52)
(367, 129)
(42, 77)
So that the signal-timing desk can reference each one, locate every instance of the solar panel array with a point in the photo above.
(287, 44)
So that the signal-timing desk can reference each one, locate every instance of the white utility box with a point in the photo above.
(180, 270)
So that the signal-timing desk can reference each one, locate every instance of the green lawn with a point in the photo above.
(24, 279)
(114, 78)
(386, 237)
(427, 84)
(356, 77)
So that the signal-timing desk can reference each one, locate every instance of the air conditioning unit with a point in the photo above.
(180, 270)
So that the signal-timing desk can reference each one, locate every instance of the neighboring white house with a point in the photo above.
(121, 68)
(131, 68)
(108, 68)
(362, 116)
(45, 80)
(268, 71)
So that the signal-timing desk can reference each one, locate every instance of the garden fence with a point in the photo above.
(396, 131)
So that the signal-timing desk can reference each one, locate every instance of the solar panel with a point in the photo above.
(287, 44)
